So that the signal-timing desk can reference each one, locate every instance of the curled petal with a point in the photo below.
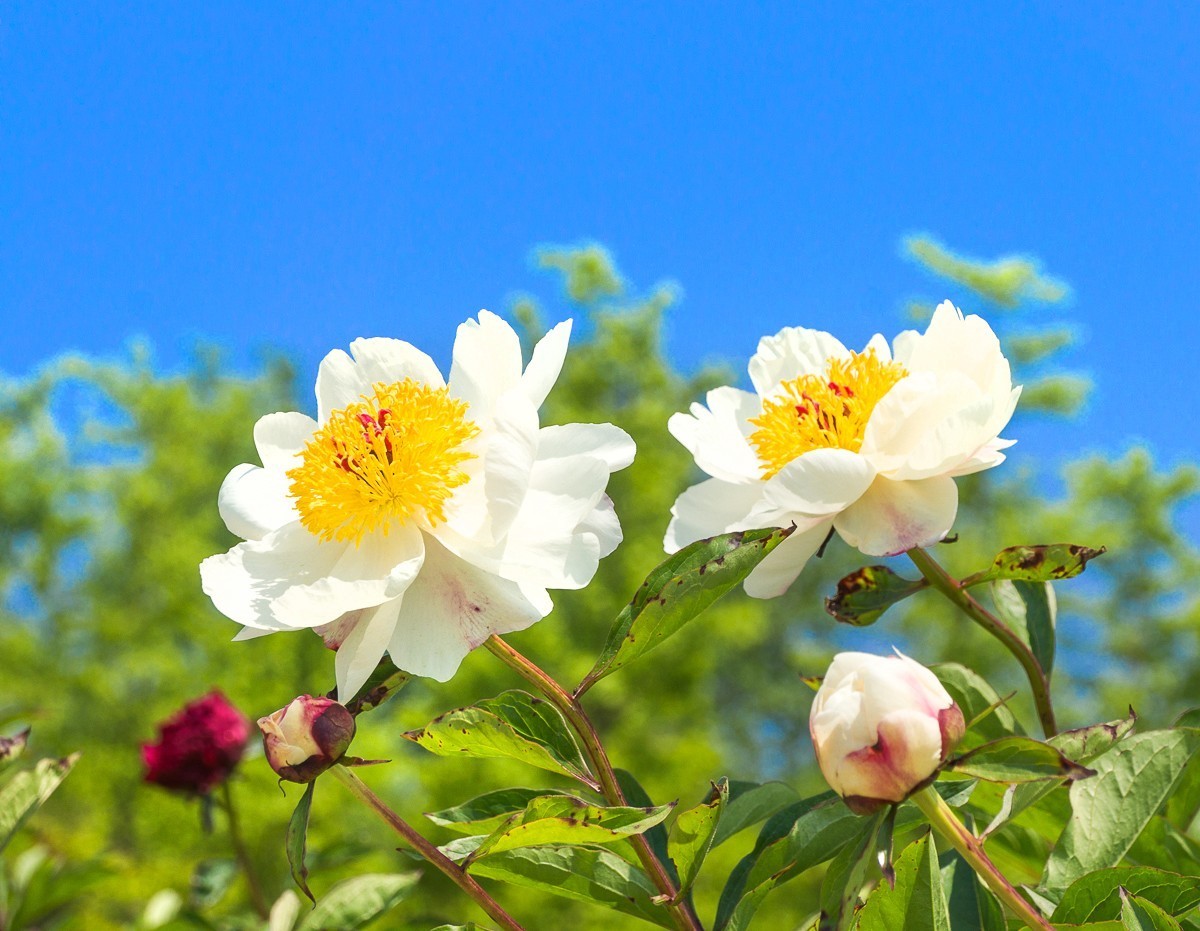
(819, 483)
(791, 352)
(290, 579)
(254, 502)
(280, 438)
(717, 434)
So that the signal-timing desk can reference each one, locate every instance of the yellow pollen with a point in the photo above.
(828, 411)
(393, 456)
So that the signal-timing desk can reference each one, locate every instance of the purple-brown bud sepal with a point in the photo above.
(307, 737)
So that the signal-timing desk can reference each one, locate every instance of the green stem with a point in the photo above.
(452, 870)
(956, 592)
(946, 823)
(243, 855)
(681, 913)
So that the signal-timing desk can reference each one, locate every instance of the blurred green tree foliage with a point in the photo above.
(108, 481)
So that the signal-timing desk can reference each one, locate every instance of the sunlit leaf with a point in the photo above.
(514, 725)
(677, 591)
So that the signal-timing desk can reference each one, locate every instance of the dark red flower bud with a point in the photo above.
(199, 747)
(307, 737)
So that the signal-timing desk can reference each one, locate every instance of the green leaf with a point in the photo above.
(1097, 896)
(1138, 914)
(27, 791)
(692, 835)
(356, 902)
(972, 905)
(974, 698)
(917, 900)
(863, 595)
(297, 840)
(1162, 845)
(677, 591)
(1030, 609)
(559, 819)
(656, 837)
(1082, 745)
(797, 838)
(1133, 780)
(847, 874)
(1017, 759)
(486, 812)
(1045, 563)
(514, 725)
(1185, 802)
(586, 874)
(750, 803)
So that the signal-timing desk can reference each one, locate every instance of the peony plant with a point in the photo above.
(417, 518)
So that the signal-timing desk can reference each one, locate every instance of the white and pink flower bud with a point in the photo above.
(881, 725)
(307, 737)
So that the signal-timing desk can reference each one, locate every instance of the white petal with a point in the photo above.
(954, 343)
(251, 633)
(378, 569)
(547, 543)
(717, 435)
(775, 574)
(487, 363)
(290, 579)
(709, 508)
(603, 524)
(451, 609)
(601, 440)
(511, 450)
(895, 516)
(253, 502)
(342, 380)
(931, 424)
(819, 483)
(790, 353)
(364, 646)
(546, 364)
(986, 457)
(883, 351)
(280, 438)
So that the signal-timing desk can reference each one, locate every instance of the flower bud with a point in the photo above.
(198, 747)
(881, 725)
(307, 737)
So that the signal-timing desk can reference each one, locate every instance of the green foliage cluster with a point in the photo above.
(108, 480)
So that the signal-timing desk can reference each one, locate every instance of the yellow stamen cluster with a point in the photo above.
(393, 456)
(828, 411)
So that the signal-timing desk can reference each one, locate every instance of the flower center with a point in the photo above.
(392, 456)
(828, 411)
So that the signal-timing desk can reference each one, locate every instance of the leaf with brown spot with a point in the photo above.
(1047, 562)
(864, 594)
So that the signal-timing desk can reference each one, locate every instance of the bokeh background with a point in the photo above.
(197, 204)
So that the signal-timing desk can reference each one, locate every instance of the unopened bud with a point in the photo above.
(881, 725)
(307, 737)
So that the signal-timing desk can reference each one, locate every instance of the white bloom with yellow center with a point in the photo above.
(417, 517)
(866, 443)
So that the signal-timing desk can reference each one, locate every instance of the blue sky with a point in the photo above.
(298, 175)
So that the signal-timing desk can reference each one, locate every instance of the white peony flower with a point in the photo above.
(416, 517)
(867, 443)
(881, 726)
